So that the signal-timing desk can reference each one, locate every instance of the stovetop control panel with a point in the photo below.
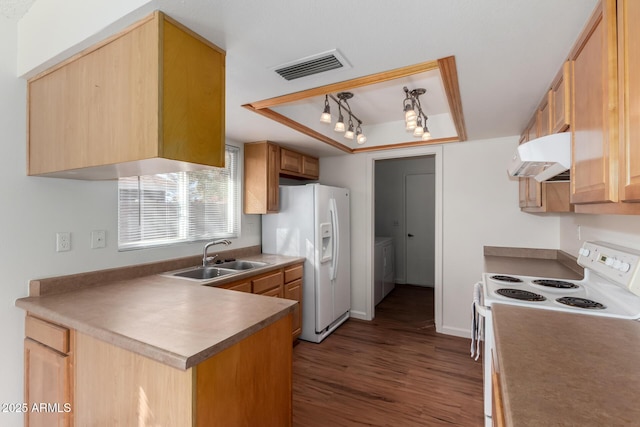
(614, 262)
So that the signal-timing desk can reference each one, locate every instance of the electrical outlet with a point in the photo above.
(98, 239)
(63, 241)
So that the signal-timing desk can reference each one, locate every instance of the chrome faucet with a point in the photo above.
(206, 260)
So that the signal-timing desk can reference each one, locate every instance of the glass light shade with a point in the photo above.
(339, 127)
(426, 135)
(409, 116)
(349, 134)
(361, 139)
(411, 125)
(418, 131)
(325, 118)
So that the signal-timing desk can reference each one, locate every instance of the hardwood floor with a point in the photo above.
(394, 371)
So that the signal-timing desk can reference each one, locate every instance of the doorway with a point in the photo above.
(405, 212)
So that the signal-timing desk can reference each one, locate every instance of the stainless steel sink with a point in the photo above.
(212, 272)
(241, 265)
(203, 273)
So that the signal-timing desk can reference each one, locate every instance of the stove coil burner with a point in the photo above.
(559, 284)
(509, 279)
(520, 294)
(581, 303)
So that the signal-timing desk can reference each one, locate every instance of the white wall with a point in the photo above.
(479, 207)
(621, 230)
(390, 215)
(34, 209)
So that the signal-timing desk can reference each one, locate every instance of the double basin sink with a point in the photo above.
(211, 272)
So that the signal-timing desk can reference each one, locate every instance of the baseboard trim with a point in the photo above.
(361, 315)
(457, 332)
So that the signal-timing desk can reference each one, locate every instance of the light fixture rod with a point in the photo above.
(345, 105)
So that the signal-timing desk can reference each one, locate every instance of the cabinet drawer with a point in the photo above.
(293, 273)
(266, 283)
(275, 292)
(49, 334)
(240, 287)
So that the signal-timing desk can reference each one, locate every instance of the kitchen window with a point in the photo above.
(168, 208)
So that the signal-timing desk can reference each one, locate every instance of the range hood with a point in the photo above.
(542, 158)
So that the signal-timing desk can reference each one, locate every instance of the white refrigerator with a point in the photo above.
(313, 222)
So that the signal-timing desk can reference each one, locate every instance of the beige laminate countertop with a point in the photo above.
(567, 369)
(175, 321)
(531, 262)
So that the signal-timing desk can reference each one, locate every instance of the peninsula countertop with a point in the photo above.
(561, 368)
(175, 321)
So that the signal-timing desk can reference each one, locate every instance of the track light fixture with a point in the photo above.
(413, 114)
(342, 101)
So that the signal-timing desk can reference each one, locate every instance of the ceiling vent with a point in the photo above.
(315, 64)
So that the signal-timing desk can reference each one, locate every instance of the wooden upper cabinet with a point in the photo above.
(559, 99)
(148, 100)
(297, 165)
(537, 196)
(594, 101)
(629, 78)
(264, 163)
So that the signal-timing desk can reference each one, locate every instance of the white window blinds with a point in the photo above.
(156, 210)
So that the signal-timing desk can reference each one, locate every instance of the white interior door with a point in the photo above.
(420, 228)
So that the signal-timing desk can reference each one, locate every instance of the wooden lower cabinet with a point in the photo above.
(497, 402)
(48, 374)
(249, 383)
(283, 283)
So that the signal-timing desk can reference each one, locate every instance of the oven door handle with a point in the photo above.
(482, 310)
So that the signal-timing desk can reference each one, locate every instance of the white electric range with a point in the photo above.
(610, 288)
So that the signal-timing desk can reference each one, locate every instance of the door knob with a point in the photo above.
(410, 235)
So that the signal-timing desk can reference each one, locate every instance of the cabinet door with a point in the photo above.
(47, 380)
(629, 16)
(497, 402)
(273, 178)
(544, 117)
(594, 104)
(290, 161)
(293, 291)
(310, 167)
(261, 178)
(559, 100)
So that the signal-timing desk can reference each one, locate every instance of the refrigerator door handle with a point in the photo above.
(333, 211)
